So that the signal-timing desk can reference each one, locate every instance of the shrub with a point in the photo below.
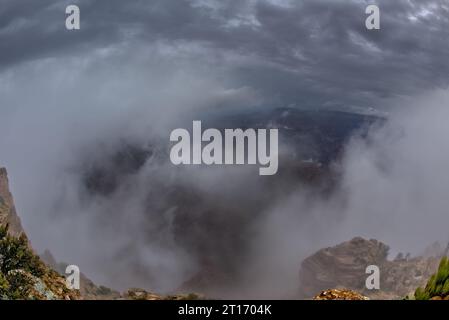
(20, 285)
(438, 284)
(4, 287)
(16, 260)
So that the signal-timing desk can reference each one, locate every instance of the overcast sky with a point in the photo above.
(135, 63)
(309, 53)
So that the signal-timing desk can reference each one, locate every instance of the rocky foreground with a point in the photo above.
(343, 294)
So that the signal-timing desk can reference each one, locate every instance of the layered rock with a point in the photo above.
(344, 266)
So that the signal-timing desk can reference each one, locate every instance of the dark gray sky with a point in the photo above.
(310, 53)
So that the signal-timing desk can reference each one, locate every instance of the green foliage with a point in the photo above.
(421, 294)
(4, 287)
(20, 285)
(102, 290)
(438, 284)
(3, 232)
(445, 290)
(17, 263)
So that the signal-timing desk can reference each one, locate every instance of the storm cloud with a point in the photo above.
(136, 69)
(318, 52)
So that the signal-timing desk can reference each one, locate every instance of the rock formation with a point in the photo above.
(344, 266)
(8, 213)
(335, 294)
(88, 289)
(24, 275)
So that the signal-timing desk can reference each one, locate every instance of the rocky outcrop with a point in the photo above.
(50, 284)
(335, 294)
(8, 214)
(23, 275)
(344, 266)
(88, 289)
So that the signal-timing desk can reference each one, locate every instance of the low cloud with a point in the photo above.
(70, 101)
